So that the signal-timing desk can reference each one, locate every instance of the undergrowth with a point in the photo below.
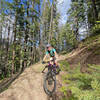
(83, 86)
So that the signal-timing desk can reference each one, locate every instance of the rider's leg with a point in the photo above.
(51, 63)
(56, 63)
(57, 68)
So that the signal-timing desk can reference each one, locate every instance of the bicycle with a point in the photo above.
(49, 84)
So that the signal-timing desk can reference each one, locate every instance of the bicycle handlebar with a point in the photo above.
(44, 62)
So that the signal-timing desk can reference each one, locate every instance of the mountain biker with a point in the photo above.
(51, 52)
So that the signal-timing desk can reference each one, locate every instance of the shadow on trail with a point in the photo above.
(5, 84)
(53, 97)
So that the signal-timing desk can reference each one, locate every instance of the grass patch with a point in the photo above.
(64, 65)
(84, 86)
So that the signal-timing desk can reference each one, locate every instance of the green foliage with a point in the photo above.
(64, 65)
(96, 28)
(18, 44)
(84, 86)
(53, 42)
(96, 67)
(67, 38)
(64, 90)
(28, 27)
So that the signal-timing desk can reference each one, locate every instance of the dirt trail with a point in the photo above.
(28, 86)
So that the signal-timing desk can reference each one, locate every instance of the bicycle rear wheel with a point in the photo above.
(49, 83)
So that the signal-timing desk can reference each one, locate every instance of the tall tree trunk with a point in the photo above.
(21, 61)
(14, 46)
(95, 10)
(8, 39)
(32, 48)
(1, 42)
(51, 25)
(40, 40)
(26, 35)
(7, 52)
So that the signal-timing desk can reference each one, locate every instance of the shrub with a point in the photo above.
(84, 86)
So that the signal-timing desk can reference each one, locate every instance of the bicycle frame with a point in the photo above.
(49, 66)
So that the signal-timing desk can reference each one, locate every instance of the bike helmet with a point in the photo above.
(48, 45)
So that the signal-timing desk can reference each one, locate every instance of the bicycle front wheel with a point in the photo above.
(49, 83)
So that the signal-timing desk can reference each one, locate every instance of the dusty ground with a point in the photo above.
(28, 86)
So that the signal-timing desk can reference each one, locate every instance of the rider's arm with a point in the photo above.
(56, 55)
(46, 55)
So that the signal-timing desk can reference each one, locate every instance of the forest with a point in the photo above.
(27, 26)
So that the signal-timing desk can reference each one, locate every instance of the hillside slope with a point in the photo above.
(88, 52)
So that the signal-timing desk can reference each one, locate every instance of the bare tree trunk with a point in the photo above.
(34, 53)
(26, 36)
(7, 52)
(14, 46)
(95, 10)
(8, 42)
(21, 61)
(32, 48)
(40, 40)
(51, 25)
(1, 42)
(77, 29)
(13, 62)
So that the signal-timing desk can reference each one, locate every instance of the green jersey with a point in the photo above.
(51, 52)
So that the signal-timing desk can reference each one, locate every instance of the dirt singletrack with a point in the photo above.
(28, 86)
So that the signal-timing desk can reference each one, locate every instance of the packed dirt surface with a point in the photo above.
(28, 86)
